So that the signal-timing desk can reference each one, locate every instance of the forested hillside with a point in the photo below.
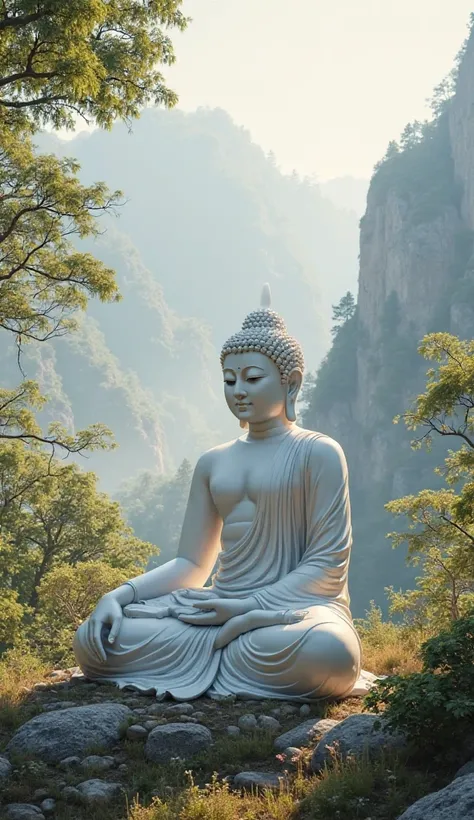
(416, 277)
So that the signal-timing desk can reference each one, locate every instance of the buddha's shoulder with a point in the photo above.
(211, 457)
(322, 449)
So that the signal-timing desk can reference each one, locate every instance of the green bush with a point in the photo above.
(434, 708)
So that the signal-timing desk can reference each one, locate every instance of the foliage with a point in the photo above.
(408, 171)
(388, 647)
(440, 534)
(336, 377)
(434, 708)
(17, 422)
(155, 506)
(342, 312)
(95, 58)
(52, 515)
(66, 597)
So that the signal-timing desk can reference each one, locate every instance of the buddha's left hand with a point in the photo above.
(217, 611)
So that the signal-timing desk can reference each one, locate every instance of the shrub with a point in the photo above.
(434, 708)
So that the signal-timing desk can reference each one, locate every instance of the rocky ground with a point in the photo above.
(76, 749)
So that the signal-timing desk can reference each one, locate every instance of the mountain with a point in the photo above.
(208, 219)
(347, 193)
(416, 276)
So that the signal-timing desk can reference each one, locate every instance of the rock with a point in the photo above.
(69, 762)
(233, 731)
(176, 740)
(305, 710)
(136, 732)
(71, 794)
(98, 762)
(140, 711)
(98, 791)
(292, 754)
(468, 768)
(258, 780)
(5, 769)
(187, 719)
(200, 715)
(23, 811)
(454, 802)
(48, 806)
(155, 709)
(179, 709)
(59, 704)
(306, 733)
(38, 687)
(288, 709)
(248, 723)
(54, 735)
(354, 735)
(123, 768)
(271, 724)
(40, 794)
(151, 724)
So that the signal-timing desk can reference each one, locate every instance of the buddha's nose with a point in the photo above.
(239, 391)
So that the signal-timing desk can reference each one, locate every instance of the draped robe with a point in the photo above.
(294, 555)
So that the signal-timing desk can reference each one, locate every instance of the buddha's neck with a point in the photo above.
(269, 429)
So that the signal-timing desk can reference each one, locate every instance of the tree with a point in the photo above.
(52, 515)
(342, 312)
(440, 534)
(66, 597)
(155, 506)
(97, 59)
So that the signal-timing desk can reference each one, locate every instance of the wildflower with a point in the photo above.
(281, 758)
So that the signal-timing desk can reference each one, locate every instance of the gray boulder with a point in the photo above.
(5, 769)
(179, 709)
(270, 724)
(176, 740)
(468, 768)
(248, 723)
(48, 806)
(55, 735)
(454, 802)
(258, 780)
(306, 733)
(354, 735)
(23, 811)
(98, 762)
(98, 791)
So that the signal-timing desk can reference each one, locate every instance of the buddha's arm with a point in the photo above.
(322, 571)
(198, 546)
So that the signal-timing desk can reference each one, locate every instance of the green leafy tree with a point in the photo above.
(66, 597)
(59, 59)
(52, 515)
(440, 534)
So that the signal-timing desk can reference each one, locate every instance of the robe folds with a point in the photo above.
(295, 555)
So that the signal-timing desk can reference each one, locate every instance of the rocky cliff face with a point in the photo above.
(416, 276)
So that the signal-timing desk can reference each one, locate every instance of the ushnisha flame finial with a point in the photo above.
(266, 297)
(264, 331)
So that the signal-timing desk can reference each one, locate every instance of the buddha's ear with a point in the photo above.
(294, 382)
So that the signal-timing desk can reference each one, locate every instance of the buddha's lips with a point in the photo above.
(243, 406)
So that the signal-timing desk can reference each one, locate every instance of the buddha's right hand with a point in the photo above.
(255, 619)
(108, 612)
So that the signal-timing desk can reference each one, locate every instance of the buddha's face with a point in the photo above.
(253, 388)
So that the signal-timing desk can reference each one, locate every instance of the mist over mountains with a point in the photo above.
(208, 219)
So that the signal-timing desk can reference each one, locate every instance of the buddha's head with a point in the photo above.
(263, 368)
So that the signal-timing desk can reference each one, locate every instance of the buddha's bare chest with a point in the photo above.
(239, 476)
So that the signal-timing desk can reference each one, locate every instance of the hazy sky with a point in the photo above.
(324, 83)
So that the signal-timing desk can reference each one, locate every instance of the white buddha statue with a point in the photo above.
(272, 507)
